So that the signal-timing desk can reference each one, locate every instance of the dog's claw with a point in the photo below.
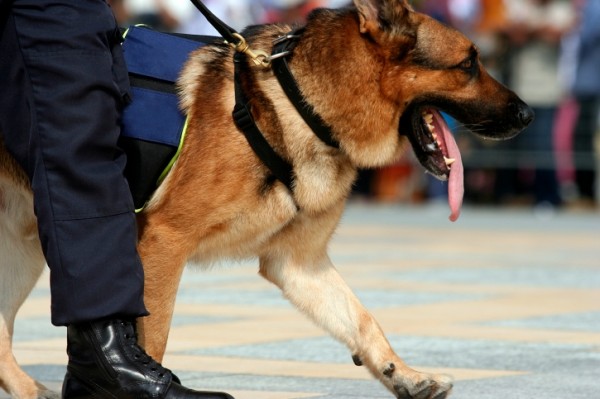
(402, 392)
(425, 389)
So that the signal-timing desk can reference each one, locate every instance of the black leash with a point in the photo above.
(232, 37)
(224, 30)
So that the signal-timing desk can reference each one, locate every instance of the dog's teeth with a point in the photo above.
(431, 127)
(449, 161)
(434, 135)
(428, 118)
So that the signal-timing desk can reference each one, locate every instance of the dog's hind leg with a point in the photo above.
(21, 263)
(309, 280)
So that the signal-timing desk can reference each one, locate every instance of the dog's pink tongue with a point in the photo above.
(456, 187)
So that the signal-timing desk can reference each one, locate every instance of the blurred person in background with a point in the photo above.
(464, 14)
(185, 17)
(586, 89)
(289, 11)
(295, 11)
(120, 11)
(534, 29)
(437, 9)
(133, 12)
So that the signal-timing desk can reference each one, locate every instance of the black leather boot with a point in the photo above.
(105, 362)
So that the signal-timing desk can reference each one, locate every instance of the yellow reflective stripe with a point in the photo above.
(179, 148)
(169, 166)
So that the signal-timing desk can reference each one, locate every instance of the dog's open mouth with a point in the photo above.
(435, 148)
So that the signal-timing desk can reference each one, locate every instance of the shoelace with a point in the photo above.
(140, 354)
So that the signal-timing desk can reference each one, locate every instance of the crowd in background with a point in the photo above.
(183, 17)
(548, 51)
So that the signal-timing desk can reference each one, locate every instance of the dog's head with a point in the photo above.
(428, 68)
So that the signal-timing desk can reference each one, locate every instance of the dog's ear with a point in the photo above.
(384, 16)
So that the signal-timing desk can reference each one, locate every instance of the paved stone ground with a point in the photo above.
(507, 301)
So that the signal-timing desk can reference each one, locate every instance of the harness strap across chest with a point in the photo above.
(242, 115)
(281, 168)
(284, 46)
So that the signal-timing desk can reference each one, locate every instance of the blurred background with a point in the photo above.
(548, 51)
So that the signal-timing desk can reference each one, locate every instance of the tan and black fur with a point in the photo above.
(367, 70)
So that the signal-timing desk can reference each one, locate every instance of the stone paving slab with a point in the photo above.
(505, 300)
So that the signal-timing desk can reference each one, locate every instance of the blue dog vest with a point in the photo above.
(153, 126)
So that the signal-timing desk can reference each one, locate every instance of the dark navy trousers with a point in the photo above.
(63, 84)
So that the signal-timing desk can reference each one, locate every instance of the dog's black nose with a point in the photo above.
(526, 114)
(523, 112)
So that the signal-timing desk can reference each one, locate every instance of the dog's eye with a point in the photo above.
(467, 65)
(470, 64)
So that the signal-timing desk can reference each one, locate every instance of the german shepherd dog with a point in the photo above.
(378, 74)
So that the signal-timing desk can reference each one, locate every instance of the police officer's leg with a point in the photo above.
(60, 111)
(63, 129)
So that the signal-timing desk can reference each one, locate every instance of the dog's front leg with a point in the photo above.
(315, 287)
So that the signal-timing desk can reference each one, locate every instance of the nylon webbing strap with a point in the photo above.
(242, 116)
(225, 30)
(291, 89)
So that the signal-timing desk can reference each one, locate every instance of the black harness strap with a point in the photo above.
(244, 120)
(242, 113)
(283, 48)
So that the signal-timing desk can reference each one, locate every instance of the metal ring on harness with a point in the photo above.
(259, 57)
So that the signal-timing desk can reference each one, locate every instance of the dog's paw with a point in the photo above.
(415, 385)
